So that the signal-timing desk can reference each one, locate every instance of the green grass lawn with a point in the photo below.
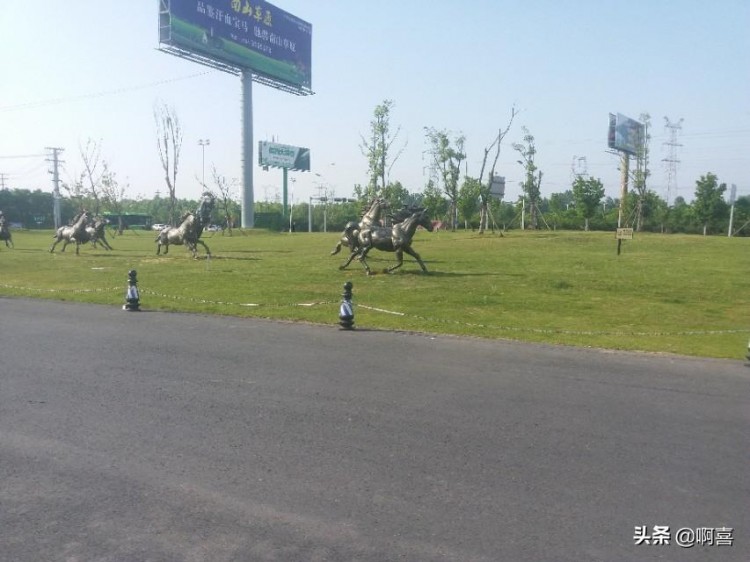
(671, 293)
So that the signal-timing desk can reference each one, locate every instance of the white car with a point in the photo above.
(159, 226)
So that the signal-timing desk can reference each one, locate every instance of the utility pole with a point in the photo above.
(3, 177)
(732, 199)
(56, 181)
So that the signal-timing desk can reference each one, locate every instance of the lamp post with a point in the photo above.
(203, 144)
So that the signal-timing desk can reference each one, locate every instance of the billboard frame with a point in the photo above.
(228, 47)
(625, 134)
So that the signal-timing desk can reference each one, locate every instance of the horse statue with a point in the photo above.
(73, 233)
(396, 238)
(370, 218)
(5, 234)
(96, 234)
(190, 229)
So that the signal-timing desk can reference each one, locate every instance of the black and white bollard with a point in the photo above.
(346, 311)
(748, 351)
(132, 299)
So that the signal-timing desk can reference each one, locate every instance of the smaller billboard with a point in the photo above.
(497, 187)
(283, 156)
(625, 134)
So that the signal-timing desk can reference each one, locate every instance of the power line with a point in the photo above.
(19, 156)
(54, 101)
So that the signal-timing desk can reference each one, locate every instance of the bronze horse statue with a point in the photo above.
(75, 233)
(190, 229)
(396, 238)
(370, 218)
(5, 234)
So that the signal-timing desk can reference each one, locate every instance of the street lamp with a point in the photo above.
(203, 144)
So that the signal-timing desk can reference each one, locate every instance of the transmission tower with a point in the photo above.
(671, 161)
(579, 168)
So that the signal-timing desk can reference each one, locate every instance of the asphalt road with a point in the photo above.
(145, 436)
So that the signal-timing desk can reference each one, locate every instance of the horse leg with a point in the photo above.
(353, 254)
(202, 243)
(362, 255)
(400, 258)
(337, 249)
(409, 250)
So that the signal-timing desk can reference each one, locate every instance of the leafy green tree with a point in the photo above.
(396, 195)
(447, 155)
(434, 201)
(533, 181)
(588, 193)
(560, 207)
(469, 199)
(741, 214)
(642, 172)
(680, 216)
(377, 149)
(709, 201)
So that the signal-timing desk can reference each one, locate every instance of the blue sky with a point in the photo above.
(70, 71)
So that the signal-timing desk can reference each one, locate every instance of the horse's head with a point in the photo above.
(424, 220)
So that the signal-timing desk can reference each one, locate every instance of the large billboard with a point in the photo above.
(625, 134)
(242, 35)
(283, 156)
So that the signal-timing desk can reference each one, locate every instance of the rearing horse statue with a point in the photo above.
(190, 229)
(74, 233)
(370, 218)
(396, 238)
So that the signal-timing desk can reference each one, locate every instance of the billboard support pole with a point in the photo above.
(285, 195)
(248, 200)
(624, 165)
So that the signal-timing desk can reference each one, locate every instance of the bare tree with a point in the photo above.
(484, 189)
(169, 142)
(226, 202)
(113, 194)
(91, 155)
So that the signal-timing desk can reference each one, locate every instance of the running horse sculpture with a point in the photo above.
(190, 229)
(75, 233)
(96, 234)
(370, 218)
(5, 234)
(396, 238)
